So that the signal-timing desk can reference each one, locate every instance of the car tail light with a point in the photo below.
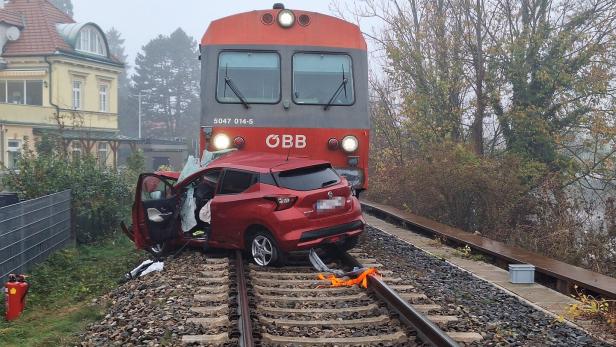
(282, 202)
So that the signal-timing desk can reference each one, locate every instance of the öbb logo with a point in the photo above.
(286, 141)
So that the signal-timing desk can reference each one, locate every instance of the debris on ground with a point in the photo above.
(337, 279)
(144, 268)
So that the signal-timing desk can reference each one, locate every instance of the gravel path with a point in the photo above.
(501, 318)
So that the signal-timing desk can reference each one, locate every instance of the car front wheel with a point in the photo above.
(264, 250)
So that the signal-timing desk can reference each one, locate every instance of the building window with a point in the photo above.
(14, 151)
(15, 92)
(91, 40)
(2, 91)
(34, 93)
(21, 92)
(77, 97)
(102, 154)
(103, 97)
(76, 150)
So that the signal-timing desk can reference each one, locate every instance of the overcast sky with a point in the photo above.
(139, 21)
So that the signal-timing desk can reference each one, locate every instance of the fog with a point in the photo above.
(141, 20)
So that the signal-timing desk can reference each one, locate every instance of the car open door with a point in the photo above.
(155, 212)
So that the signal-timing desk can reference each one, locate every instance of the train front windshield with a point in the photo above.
(252, 76)
(321, 79)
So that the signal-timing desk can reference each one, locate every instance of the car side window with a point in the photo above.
(206, 185)
(235, 182)
(155, 188)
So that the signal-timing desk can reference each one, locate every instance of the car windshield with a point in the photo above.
(248, 77)
(309, 178)
(322, 79)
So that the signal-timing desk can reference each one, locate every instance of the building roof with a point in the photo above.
(39, 35)
(41, 24)
(86, 134)
(11, 18)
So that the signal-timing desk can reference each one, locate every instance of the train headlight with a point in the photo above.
(221, 141)
(286, 18)
(350, 144)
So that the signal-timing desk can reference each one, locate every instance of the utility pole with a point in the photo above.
(140, 95)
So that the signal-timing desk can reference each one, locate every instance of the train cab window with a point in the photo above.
(248, 77)
(323, 79)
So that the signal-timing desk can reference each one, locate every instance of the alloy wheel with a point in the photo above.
(262, 250)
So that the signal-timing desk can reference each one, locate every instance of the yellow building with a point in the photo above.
(56, 76)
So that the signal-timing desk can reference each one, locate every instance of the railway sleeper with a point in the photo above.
(328, 290)
(397, 337)
(218, 339)
(215, 274)
(214, 289)
(212, 297)
(211, 310)
(358, 296)
(210, 321)
(342, 310)
(361, 322)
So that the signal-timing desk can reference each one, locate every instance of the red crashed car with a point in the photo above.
(266, 204)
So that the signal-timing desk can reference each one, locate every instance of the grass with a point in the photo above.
(62, 288)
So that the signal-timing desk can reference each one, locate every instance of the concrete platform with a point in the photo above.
(546, 299)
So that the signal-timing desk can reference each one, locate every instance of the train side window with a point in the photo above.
(319, 78)
(254, 75)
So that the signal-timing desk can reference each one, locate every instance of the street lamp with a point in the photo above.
(139, 96)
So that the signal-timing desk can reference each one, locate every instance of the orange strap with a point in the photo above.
(339, 282)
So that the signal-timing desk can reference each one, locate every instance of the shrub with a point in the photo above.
(101, 196)
(506, 198)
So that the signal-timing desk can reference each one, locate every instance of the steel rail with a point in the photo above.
(244, 320)
(550, 272)
(429, 332)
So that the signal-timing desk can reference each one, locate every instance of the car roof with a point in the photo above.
(263, 162)
(252, 161)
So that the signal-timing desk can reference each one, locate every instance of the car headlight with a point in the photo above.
(350, 144)
(221, 141)
(286, 18)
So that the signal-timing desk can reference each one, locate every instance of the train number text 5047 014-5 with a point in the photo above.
(234, 121)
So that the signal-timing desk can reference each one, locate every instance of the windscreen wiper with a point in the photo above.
(229, 82)
(343, 84)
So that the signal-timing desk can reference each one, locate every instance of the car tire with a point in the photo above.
(263, 249)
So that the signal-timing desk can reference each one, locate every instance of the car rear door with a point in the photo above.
(232, 207)
(155, 210)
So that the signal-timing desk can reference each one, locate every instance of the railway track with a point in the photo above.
(247, 305)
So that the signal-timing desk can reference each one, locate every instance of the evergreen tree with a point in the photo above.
(65, 5)
(167, 74)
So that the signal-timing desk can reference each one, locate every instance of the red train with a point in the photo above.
(289, 82)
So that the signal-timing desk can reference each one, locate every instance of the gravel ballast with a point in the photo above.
(501, 318)
(152, 310)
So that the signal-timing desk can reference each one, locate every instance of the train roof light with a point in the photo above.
(286, 18)
(278, 6)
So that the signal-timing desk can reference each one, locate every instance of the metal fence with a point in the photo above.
(31, 230)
